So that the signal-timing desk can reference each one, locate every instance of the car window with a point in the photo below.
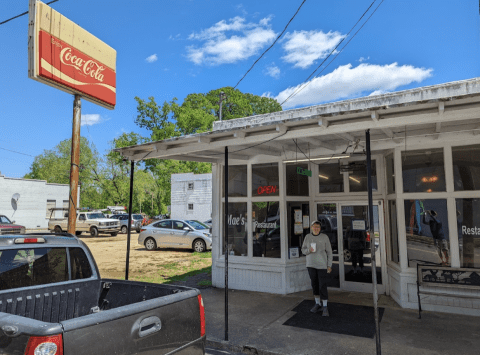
(79, 264)
(178, 225)
(164, 224)
(4, 219)
(137, 216)
(81, 217)
(30, 267)
(96, 215)
(197, 225)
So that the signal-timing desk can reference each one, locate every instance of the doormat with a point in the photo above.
(344, 318)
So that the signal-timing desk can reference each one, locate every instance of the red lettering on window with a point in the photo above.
(270, 189)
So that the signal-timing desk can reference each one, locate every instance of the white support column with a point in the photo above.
(402, 234)
(283, 210)
(249, 211)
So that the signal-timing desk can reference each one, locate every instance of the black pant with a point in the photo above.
(319, 278)
(357, 257)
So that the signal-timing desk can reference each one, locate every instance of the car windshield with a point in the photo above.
(197, 225)
(96, 215)
(137, 216)
(4, 219)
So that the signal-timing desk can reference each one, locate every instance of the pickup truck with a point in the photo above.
(9, 227)
(90, 222)
(53, 302)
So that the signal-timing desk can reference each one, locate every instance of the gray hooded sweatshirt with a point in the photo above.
(323, 256)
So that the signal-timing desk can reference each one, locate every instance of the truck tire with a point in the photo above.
(77, 233)
(124, 229)
(150, 244)
(58, 229)
(94, 232)
(199, 246)
(114, 234)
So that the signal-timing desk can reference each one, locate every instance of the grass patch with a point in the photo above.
(204, 283)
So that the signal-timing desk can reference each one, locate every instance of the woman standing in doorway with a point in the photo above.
(318, 250)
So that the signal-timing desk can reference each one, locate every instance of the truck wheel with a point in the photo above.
(77, 233)
(94, 232)
(199, 246)
(124, 229)
(347, 255)
(150, 244)
(114, 234)
(58, 229)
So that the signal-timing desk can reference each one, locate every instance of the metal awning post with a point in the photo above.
(130, 206)
(371, 230)
(225, 226)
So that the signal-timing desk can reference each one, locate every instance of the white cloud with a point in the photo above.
(91, 119)
(173, 38)
(362, 59)
(347, 82)
(304, 48)
(273, 71)
(152, 58)
(230, 41)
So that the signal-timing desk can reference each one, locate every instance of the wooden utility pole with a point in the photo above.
(74, 167)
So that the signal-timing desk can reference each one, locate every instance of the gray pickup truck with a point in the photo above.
(53, 301)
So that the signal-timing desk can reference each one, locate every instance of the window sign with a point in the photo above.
(265, 179)
(237, 228)
(306, 172)
(358, 225)
(468, 226)
(266, 230)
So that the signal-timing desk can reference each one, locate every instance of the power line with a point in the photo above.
(280, 35)
(13, 151)
(25, 13)
(306, 82)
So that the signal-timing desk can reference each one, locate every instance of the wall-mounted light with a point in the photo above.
(323, 176)
(353, 179)
(429, 190)
(429, 178)
(324, 158)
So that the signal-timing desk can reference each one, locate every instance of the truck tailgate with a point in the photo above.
(156, 326)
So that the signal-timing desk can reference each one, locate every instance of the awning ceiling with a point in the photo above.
(327, 130)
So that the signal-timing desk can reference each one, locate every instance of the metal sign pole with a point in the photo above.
(129, 225)
(75, 162)
(372, 242)
(225, 226)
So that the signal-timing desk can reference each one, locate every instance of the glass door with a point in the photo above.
(356, 246)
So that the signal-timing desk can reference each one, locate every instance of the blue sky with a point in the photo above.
(169, 49)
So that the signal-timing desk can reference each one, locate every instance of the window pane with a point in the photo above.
(330, 178)
(423, 171)
(466, 167)
(426, 225)
(178, 225)
(297, 184)
(392, 210)
(237, 228)
(468, 226)
(297, 214)
(164, 224)
(265, 180)
(327, 216)
(237, 181)
(79, 264)
(266, 229)
(390, 166)
(358, 179)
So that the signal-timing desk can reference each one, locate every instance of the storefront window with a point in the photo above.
(426, 224)
(390, 174)
(423, 171)
(466, 167)
(330, 178)
(297, 179)
(237, 229)
(266, 229)
(265, 180)
(468, 226)
(237, 181)
(392, 210)
(357, 180)
(298, 224)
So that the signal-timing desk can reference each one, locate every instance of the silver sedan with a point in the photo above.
(174, 233)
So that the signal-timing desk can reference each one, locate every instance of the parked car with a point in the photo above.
(56, 303)
(208, 222)
(91, 222)
(172, 233)
(123, 218)
(7, 226)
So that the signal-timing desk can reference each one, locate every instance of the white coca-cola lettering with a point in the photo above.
(88, 67)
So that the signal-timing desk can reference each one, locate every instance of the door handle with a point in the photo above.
(149, 326)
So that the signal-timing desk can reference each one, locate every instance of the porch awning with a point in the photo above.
(328, 129)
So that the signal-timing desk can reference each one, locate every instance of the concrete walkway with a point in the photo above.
(256, 327)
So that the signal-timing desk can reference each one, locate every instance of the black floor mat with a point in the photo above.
(344, 319)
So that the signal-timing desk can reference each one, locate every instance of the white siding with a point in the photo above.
(32, 204)
(200, 196)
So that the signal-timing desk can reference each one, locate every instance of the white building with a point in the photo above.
(288, 168)
(191, 196)
(27, 201)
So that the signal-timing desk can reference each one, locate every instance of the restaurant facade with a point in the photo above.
(289, 168)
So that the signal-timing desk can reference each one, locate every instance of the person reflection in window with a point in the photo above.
(356, 245)
(439, 239)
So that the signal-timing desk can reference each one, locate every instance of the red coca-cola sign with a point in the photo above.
(62, 63)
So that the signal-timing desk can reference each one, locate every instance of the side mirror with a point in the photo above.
(186, 229)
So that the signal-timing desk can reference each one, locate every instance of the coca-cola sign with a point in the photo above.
(64, 55)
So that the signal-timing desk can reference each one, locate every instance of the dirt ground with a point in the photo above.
(179, 266)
